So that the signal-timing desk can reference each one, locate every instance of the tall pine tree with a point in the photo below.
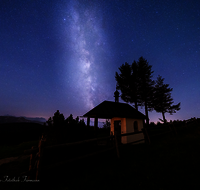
(145, 86)
(136, 84)
(163, 100)
(127, 83)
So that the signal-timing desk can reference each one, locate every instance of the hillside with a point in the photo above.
(13, 119)
(18, 132)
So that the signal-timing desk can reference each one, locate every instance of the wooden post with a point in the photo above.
(39, 163)
(88, 122)
(31, 165)
(95, 126)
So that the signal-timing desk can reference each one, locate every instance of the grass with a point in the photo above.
(173, 163)
(16, 150)
(170, 163)
(15, 168)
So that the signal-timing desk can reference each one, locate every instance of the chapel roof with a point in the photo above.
(108, 110)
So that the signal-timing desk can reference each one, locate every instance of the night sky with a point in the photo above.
(63, 55)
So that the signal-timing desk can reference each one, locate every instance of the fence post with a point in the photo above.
(31, 165)
(39, 163)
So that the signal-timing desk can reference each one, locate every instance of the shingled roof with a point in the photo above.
(108, 110)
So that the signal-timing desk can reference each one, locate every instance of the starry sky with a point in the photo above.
(63, 54)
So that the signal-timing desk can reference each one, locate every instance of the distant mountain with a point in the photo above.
(13, 119)
(36, 119)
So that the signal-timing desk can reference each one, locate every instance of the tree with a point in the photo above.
(163, 100)
(58, 119)
(106, 125)
(49, 122)
(62, 130)
(145, 85)
(136, 84)
(127, 83)
(70, 120)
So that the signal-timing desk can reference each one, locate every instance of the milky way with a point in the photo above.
(87, 43)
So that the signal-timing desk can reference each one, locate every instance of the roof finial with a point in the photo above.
(116, 95)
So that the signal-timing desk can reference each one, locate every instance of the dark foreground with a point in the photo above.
(170, 163)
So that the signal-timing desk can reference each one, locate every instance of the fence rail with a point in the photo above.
(36, 157)
(35, 150)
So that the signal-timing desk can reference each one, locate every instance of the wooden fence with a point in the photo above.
(36, 153)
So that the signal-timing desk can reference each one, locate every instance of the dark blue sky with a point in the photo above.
(63, 55)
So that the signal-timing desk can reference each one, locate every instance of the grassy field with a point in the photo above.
(16, 150)
(170, 163)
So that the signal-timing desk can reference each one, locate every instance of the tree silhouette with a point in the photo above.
(145, 86)
(58, 119)
(62, 130)
(106, 125)
(127, 83)
(70, 120)
(49, 122)
(163, 100)
(136, 84)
